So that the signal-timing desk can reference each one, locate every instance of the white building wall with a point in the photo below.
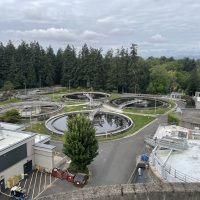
(44, 159)
(14, 170)
(198, 102)
(18, 168)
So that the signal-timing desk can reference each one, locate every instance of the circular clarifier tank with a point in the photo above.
(105, 123)
(139, 102)
(85, 96)
(33, 109)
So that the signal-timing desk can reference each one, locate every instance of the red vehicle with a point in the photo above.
(58, 173)
(68, 177)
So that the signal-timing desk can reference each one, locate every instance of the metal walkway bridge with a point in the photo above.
(178, 145)
(132, 102)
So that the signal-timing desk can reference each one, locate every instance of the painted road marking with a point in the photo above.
(45, 188)
(5, 194)
(45, 180)
(30, 183)
(40, 182)
(25, 183)
(34, 184)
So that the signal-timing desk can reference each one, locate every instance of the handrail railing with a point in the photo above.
(167, 169)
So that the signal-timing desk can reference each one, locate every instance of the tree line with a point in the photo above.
(122, 70)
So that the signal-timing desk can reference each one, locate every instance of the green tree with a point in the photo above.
(11, 116)
(3, 70)
(49, 68)
(194, 82)
(7, 88)
(68, 66)
(160, 80)
(189, 101)
(80, 143)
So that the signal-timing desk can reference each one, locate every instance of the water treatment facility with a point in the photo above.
(122, 125)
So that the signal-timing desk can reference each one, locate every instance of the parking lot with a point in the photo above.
(36, 183)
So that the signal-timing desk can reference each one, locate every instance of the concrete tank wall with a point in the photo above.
(165, 191)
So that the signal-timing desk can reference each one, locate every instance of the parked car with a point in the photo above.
(58, 173)
(18, 193)
(68, 177)
(80, 179)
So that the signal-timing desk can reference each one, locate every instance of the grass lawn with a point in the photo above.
(115, 96)
(73, 102)
(13, 100)
(56, 96)
(157, 111)
(75, 108)
(39, 127)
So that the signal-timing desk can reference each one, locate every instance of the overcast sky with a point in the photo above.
(159, 27)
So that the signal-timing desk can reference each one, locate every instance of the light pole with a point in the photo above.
(40, 82)
(155, 104)
(25, 88)
(53, 93)
(30, 117)
(136, 85)
(69, 85)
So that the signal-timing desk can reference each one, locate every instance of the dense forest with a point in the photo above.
(121, 70)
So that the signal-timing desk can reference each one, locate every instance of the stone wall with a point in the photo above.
(164, 191)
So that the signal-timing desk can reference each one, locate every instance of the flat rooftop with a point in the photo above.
(164, 131)
(42, 138)
(44, 146)
(10, 126)
(9, 138)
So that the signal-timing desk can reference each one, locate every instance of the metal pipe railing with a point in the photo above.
(165, 170)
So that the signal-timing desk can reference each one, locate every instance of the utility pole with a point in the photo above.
(155, 104)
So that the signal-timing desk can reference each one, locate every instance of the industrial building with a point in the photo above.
(21, 152)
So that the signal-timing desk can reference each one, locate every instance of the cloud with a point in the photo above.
(55, 34)
(157, 38)
(161, 25)
(90, 35)
(50, 34)
(105, 19)
(121, 31)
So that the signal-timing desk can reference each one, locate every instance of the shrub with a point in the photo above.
(172, 119)
(11, 116)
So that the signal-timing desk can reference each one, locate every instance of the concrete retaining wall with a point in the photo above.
(166, 191)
